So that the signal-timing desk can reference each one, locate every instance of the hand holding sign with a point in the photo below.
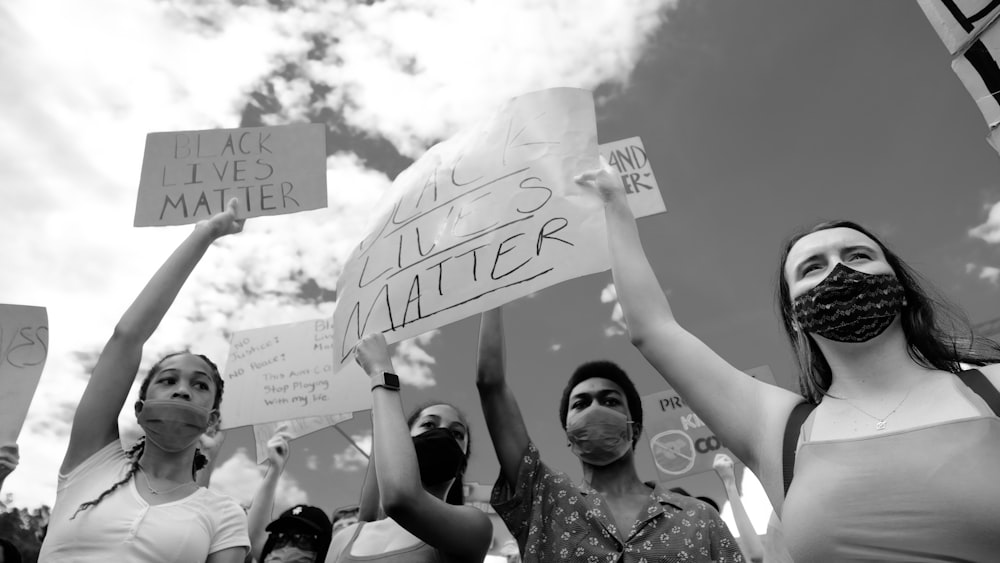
(372, 354)
(225, 223)
(9, 459)
(601, 181)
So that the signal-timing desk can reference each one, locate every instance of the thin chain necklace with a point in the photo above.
(154, 491)
(880, 423)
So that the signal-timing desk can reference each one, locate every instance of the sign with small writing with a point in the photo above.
(680, 442)
(628, 158)
(488, 216)
(188, 176)
(293, 429)
(286, 372)
(24, 345)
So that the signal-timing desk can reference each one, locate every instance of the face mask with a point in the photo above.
(850, 306)
(172, 425)
(289, 554)
(599, 435)
(439, 456)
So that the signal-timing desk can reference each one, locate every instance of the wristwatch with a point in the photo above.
(386, 379)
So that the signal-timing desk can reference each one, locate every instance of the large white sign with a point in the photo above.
(24, 344)
(481, 219)
(958, 22)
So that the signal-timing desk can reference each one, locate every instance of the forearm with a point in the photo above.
(260, 513)
(749, 540)
(396, 467)
(490, 360)
(642, 299)
(369, 504)
(152, 303)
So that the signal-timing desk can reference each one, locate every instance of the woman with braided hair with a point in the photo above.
(144, 505)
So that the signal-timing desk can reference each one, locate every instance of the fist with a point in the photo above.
(723, 465)
(9, 458)
(372, 354)
(602, 181)
(211, 441)
(277, 450)
(225, 222)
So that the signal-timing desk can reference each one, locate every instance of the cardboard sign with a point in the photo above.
(286, 372)
(481, 219)
(628, 158)
(24, 345)
(294, 429)
(680, 442)
(188, 176)
(958, 22)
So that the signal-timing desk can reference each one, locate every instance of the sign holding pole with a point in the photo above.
(24, 344)
(188, 176)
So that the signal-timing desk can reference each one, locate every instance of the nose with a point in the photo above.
(182, 392)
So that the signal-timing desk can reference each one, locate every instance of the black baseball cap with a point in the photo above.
(303, 518)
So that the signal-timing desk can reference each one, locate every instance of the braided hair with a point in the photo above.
(136, 451)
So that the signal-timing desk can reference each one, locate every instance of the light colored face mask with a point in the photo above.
(289, 554)
(599, 435)
(173, 425)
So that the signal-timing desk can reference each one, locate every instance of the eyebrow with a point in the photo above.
(819, 256)
(601, 393)
(436, 418)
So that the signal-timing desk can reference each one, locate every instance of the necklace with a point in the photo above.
(880, 423)
(154, 491)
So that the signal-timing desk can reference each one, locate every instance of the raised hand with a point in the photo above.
(277, 449)
(226, 222)
(603, 181)
(211, 442)
(372, 354)
(723, 465)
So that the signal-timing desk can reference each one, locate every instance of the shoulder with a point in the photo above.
(220, 506)
(341, 540)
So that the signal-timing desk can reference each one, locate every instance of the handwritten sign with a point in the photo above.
(286, 372)
(628, 158)
(24, 344)
(484, 218)
(188, 176)
(680, 442)
(958, 22)
(294, 429)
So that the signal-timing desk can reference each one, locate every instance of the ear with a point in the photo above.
(214, 418)
(138, 407)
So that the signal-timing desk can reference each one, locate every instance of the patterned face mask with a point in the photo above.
(850, 306)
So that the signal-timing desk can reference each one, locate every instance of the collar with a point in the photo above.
(664, 497)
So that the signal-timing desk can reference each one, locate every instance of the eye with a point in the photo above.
(427, 424)
(806, 270)
(858, 255)
(612, 401)
(458, 434)
(202, 385)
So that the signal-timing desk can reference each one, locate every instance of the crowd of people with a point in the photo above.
(885, 377)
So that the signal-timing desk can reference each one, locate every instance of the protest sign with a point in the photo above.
(628, 158)
(977, 68)
(24, 344)
(958, 22)
(293, 429)
(286, 372)
(188, 176)
(680, 442)
(484, 218)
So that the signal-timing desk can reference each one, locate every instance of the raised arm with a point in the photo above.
(503, 417)
(463, 532)
(747, 414)
(369, 505)
(749, 541)
(95, 423)
(262, 505)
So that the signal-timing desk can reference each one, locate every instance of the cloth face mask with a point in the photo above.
(439, 456)
(850, 306)
(599, 435)
(173, 425)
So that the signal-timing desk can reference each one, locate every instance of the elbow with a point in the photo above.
(488, 379)
(398, 506)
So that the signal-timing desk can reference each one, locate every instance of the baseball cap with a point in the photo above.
(302, 518)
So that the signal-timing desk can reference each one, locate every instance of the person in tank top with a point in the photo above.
(894, 462)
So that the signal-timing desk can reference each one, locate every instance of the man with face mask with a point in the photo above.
(612, 513)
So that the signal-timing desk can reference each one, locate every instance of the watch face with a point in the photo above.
(391, 379)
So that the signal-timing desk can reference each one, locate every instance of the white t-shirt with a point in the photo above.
(124, 527)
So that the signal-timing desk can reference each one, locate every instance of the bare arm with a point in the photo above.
(747, 414)
(95, 423)
(262, 505)
(749, 541)
(461, 531)
(503, 417)
(370, 506)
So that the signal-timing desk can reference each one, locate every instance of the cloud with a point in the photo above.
(239, 477)
(610, 295)
(990, 230)
(555, 347)
(990, 273)
(350, 459)
(413, 363)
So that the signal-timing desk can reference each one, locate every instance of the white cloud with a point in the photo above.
(312, 462)
(990, 230)
(413, 363)
(350, 459)
(555, 347)
(240, 477)
(990, 273)
(610, 295)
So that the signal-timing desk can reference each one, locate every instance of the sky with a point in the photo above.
(759, 118)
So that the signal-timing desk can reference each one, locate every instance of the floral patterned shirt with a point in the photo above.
(554, 519)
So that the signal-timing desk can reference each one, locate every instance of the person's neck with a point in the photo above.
(617, 479)
(172, 466)
(881, 366)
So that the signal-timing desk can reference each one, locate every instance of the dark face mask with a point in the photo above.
(850, 306)
(439, 456)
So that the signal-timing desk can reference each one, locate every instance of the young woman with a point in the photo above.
(894, 460)
(417, 463)
(144, 504)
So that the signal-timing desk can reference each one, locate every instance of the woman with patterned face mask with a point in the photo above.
(144, 504)
(894, 460)
(419, 465)
(612, 512)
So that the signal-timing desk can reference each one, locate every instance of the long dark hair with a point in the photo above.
(456, 494)
(938, 335)
(136, 451)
